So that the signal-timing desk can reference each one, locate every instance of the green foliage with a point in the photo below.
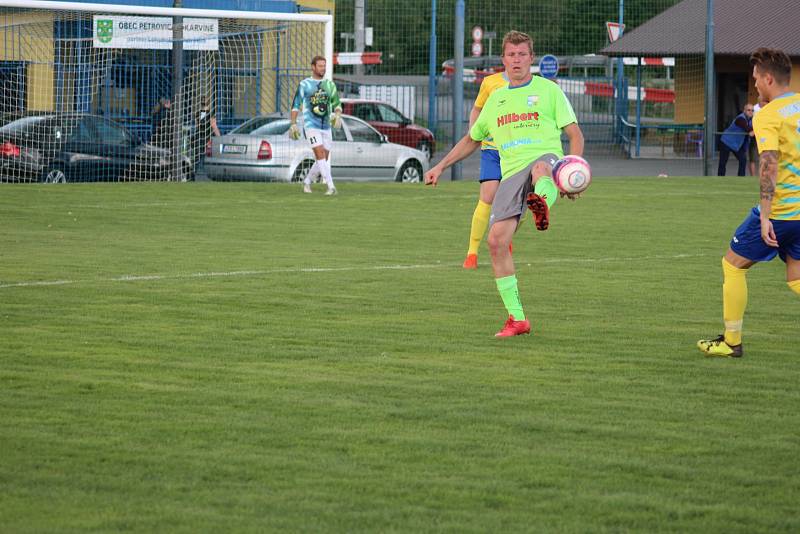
(245, 358)
(566, 27)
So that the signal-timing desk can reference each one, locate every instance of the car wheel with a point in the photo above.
(410, 172)
(425, 148)
(54, 175)
(301, 171)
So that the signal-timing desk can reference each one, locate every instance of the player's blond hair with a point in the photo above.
(773, 61)
(515, 37)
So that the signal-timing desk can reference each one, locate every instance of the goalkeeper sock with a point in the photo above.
(325, 170)
(312, 173)
(545, 187)
(480, 221)
(794, 285)
(734, 301)
(507, 287)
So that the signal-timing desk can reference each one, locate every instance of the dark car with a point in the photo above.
(391, 123)
(79, 147)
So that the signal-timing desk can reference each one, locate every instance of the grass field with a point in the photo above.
(241, 357)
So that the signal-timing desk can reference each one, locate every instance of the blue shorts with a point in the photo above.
(490, 165)
(747, 240)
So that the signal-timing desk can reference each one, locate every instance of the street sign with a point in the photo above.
(548, 66)
(477, 33)
(477, 49)
(615, 30)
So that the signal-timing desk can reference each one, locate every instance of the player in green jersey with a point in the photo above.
(525, 119)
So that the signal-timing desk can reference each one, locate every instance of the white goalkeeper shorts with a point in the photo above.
(321, 138)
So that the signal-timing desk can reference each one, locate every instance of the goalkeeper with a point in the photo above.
(525, 120)
(317, 96)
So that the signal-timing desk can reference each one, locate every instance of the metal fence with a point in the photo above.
(625, 107)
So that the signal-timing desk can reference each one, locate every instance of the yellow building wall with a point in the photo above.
(326, 6)
(30, 40)
(689, 91)
(752, 94)
(299, 45)
(690, 85)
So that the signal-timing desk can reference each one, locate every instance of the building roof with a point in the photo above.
(740, 26)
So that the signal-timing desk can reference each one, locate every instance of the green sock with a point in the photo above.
(507, 286)
(546, 188)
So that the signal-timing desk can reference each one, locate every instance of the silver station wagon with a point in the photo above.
(262, 150)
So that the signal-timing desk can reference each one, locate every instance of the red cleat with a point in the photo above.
(514, 328)
(471, 262)
(541, 213)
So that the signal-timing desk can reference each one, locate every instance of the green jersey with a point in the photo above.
(525, 122)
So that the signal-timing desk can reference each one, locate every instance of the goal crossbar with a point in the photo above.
(327, 20)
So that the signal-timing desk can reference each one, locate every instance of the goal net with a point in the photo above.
(93, 92)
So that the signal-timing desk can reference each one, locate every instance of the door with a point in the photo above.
(371, 159)
(114, 146)
(394, 125)
(344, 156)
(732, 96)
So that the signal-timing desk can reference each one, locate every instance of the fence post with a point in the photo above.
(458, 83)
(177, 83)
(432, 72)
(638, 105)
(711, 115)
(620, 78)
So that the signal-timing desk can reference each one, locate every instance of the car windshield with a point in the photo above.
(264, 126)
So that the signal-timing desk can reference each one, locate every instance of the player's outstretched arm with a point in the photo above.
(575, 136)
(461, 150)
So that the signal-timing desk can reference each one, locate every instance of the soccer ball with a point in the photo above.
(572, 174)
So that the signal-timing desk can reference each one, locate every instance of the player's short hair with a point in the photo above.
(773, 61)
(515, 37)
(317, 58)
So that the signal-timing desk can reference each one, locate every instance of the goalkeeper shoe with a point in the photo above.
(718, 347)
(471, 262)
(514, 328)
(331, 191)
(541, 213)
(306, 188)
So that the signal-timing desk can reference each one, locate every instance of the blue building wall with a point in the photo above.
(274, 6)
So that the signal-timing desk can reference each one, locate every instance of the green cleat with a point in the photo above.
(718, 347)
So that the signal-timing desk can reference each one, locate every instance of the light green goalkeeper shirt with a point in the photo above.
(525, 122)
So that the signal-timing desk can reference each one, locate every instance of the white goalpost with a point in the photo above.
(96, 92)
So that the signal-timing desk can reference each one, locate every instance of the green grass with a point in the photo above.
(241, 357)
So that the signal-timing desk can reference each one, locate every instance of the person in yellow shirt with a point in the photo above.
(490, 174)
(772, 228)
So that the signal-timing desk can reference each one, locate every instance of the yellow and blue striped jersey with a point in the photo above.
(777, 127)
(488, 86)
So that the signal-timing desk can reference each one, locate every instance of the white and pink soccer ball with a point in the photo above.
(572, 174)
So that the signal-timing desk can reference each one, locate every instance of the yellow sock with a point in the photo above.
(734, 301)
(794, 285)
(480, 221)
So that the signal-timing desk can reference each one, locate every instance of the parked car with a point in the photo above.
(393, 124)
(262, 150)
(475, 68)
(79, 147)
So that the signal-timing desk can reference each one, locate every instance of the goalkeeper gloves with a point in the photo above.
(336, 120)
(294, 132)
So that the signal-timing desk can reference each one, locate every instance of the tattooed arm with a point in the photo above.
(768, 176)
